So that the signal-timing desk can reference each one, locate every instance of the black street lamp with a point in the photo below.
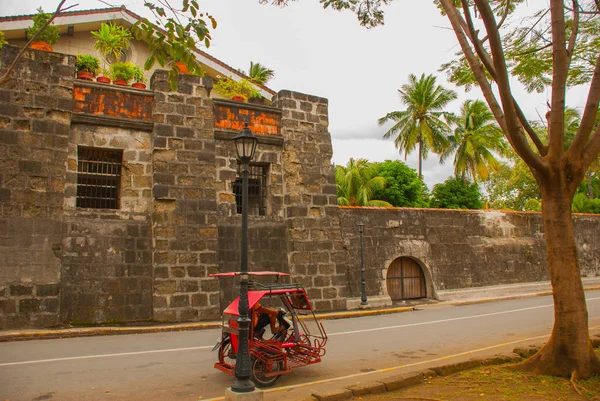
(245, 145)
(363, 298)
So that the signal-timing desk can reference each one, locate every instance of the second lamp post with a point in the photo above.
(245, 145)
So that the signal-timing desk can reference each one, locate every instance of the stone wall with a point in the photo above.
(315, 253)
(35, 111)
(106, 274)
(457, 249)
(184, 206)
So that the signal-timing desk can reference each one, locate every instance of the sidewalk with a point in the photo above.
(462, 297)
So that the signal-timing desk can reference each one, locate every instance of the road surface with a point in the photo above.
(179, 365)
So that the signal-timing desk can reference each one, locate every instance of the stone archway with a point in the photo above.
(405, 279)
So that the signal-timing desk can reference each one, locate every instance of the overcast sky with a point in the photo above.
(328, 54)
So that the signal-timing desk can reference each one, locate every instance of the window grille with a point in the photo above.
(98, 178)
(257, 190)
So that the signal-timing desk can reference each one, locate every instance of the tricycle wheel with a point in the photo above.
(227, 354)
(260, 368)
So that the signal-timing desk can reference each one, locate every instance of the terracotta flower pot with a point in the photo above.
(139, 85)
(182, 67)
(104, 80)
(41, 45)
(85, 75)
(120, 82)
(238, 98)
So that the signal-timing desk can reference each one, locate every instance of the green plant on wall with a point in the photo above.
(229, 88)
(2, 40)
(111, 40)
(88, 63)
(122, 70)
(50, 34)
(138, 74)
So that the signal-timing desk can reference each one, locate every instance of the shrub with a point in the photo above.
(86, 62)
(50, 34)
(229, 88)
(122, 70)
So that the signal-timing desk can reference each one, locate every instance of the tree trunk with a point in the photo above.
(569, 352)
(420, 157)
(590, 186)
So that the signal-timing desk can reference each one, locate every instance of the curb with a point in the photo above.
(509, 297)
(103, 331)
(406, 380)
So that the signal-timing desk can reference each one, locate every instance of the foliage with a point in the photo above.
(174, 35)
(260, 74)
(88, 63)
(229, 88)
(583, 204)
(111, 40)
(476, 142)
(528, 52)
(2, 40)
(421, 124)
(511, 186)
(138, 74)
(50, 34)
(403, 187)
(455, 193)
(356, 183)
(122, 70)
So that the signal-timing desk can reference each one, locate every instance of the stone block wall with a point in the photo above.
(106, 274)
(184, 206)
(457, 249)
(35, 113)
(316, 257)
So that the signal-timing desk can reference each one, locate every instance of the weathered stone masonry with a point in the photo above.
(150, 259)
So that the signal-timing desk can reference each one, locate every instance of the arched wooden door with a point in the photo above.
(405, 280)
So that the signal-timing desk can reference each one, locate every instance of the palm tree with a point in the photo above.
(421, 123)
(260, 74)
(356, 184)
(476, 142)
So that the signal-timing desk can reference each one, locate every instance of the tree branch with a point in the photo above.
(591, 151)
(8, 72)
(488, 64)
(589, 115)
(575, 28)
(513, 132)
(560, 67)
(474, 63)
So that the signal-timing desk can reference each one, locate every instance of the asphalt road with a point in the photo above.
(179, 366)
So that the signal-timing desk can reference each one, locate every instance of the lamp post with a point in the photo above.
(245, 145)
(363, 298)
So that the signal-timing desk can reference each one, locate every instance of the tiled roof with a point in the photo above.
(70, 13)
(134, 15)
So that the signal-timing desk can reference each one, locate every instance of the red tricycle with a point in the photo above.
(297, 338)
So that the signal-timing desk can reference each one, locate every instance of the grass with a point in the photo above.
(496, 383)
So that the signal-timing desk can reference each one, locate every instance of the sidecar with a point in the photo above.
(300, 341)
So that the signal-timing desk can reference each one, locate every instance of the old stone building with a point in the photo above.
(116, 204)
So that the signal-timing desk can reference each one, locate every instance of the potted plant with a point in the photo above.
(48, 36)
(139, 78)
(239, 91)
(87, 66)
(121, 73)
(111, 40)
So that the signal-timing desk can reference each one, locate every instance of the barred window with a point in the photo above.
(98, 177)
(257, 190)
